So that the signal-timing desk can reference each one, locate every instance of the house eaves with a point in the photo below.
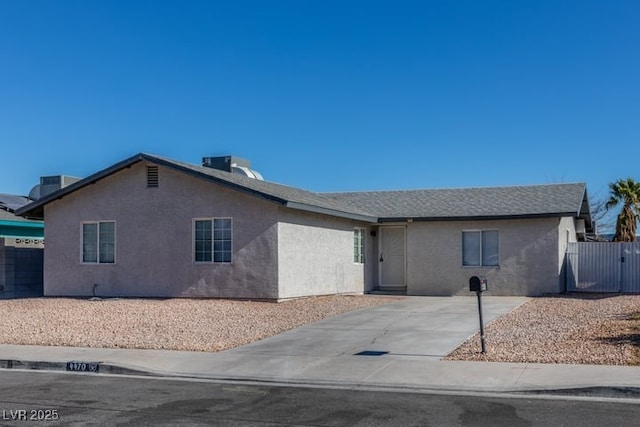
(475, 217)
(325, 211)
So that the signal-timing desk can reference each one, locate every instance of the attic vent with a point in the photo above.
(152, 176)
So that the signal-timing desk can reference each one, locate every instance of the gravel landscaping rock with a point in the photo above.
(581, 328)
(170, 324)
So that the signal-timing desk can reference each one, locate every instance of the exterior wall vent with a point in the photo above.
(152, 176)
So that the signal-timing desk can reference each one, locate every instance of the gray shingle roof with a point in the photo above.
(534, 200)
(377, 206)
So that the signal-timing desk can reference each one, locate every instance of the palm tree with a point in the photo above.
(627, 192)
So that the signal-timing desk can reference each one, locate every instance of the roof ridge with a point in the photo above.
(505, 187)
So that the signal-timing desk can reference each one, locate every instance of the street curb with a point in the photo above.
(593, 391)
(588, 392)
(104, 368)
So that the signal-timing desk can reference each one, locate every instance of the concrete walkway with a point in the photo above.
(398, 345)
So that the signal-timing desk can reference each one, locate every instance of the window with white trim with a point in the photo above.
(213, 240)
(480, 248)
(358, 245)
(99, 242)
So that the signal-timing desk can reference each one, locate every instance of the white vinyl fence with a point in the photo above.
(603, 267)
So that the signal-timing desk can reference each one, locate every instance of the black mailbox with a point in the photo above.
(477, 284)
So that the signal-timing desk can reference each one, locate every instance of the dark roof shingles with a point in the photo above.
(553, 199)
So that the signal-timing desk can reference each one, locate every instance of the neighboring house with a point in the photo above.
(154, 227)
(21, 250)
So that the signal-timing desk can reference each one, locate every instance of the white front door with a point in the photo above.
(391, 257)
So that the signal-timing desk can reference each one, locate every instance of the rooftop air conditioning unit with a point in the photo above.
(51, 184)
(232, 164)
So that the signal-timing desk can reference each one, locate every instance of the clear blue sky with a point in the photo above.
(326, 95)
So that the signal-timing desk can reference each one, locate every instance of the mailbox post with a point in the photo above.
(478, 284)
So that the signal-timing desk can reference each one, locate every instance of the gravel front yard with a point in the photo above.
(580, 328)
(170, 324)
(590, 329)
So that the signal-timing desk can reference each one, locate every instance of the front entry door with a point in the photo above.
(391, 258)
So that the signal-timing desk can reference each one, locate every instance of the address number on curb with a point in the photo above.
(83, 367)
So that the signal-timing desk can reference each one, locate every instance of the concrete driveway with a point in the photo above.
(425, 327)
(365, 343)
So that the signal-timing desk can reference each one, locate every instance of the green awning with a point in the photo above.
(18, 229)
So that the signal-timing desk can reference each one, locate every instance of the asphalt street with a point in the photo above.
(52, 398)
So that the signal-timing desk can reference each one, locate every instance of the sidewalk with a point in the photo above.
(398, 346)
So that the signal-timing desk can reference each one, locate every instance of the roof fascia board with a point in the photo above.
(92, 179)
(319, 210)
(476, 218)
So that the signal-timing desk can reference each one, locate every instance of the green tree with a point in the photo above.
(627, 193)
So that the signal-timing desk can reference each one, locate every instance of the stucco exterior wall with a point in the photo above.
(278, 253)
(154, 239)
(315, 256)
(566, 235)
(529, 261)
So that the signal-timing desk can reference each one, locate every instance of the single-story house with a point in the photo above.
(150, 226)
(21, 250)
